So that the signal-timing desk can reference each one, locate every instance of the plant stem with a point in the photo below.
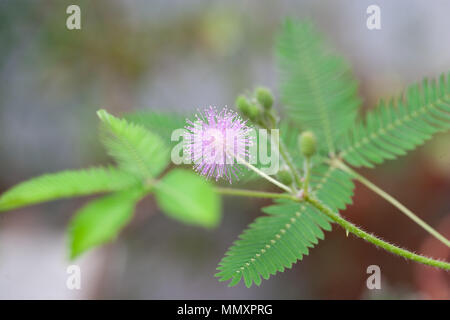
(307, 164)
(287, 158)
(254, 194)
(350, 227)
(394, 202)
(265, 176)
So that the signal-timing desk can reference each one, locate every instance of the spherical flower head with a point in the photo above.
(216, 141)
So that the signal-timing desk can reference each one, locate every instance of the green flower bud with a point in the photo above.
(264, 97)
(247, 108)
(285, 177)
(253, 112)
(307, 143)
(243, 105)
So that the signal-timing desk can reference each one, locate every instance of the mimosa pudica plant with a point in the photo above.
(320, 145)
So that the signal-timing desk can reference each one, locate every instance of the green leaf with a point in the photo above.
(161, 123)
(250, 258)
(136, 149)
(66, 184)
(332, 186)
(392, 129)
(317, 87)
(187, 197)
(101, 220)
(273, 243)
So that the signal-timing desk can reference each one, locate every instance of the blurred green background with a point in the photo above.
(180, 55)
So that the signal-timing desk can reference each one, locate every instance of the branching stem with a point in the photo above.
(394, 202)
(350, 227)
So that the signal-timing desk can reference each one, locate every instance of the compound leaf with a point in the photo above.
(187, 197)
(101, 220)
(317, 87)
(161, 123)
(136, 149)
(332, 186)
(392, 129)
(273, 242)
(66, 184)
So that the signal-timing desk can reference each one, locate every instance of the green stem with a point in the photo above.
(265, 176)
(307, 175)
(254, 194)
(287, 158)
(394, 202)
(350, 227)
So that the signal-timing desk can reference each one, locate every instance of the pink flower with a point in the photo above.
(215, 141)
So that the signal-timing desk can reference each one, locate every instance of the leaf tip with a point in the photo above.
(102, 114)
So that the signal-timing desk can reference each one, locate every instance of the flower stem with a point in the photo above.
(350, 227)
(394, 202)
(287, 158)
(265, 176)
(307, 164)
(254, 194)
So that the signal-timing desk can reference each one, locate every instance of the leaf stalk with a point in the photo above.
(393, 201)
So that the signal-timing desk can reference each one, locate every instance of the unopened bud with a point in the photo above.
(248, 109)
(307, 143)
(253, 112)
(285, 177)
(264, 97)
(242, 104)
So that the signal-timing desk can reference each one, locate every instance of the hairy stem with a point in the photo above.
(350, 227)
(394, 202)
(254, 194)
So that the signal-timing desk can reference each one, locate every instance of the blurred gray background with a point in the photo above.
(181, 55)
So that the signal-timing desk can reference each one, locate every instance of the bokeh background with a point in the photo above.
(179, 55)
